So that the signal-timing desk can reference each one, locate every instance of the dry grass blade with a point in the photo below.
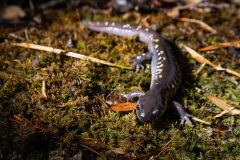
(220, 45)
(224, 106)
(70, 54)
(232, 72)
(218, 102)
(202, 59)
(201, 23)
(224, 112)
(199, 69)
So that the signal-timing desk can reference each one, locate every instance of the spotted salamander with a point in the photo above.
(165, 72)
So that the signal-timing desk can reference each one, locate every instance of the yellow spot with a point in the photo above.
(159, 58)
(173, 86)
(156, 40)
(127, 26)
(139, 27)
(113, 24)
(159, 71)
(161, 52)
(106, 23)
(146, 29)
(164, 58)
(160, 65)
(160, 76)
(156, 46)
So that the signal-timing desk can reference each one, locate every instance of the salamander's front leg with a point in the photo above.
(185, 117)
(138, 61)
(132, 95)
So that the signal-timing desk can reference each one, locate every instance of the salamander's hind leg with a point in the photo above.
(132, 95)
(185, 117)
(138, 61)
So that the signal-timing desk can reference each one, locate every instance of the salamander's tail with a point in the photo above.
(115, 28)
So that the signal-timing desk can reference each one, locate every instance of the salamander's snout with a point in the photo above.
(141, 113)
(148, 109)
(147, 117)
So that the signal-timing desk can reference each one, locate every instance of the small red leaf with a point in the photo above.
(124, 107)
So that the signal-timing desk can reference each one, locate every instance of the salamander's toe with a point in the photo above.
(137, 63)
(186, 119)
(138, 67)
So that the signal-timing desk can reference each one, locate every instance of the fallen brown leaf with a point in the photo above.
(124, 107)
(13, 13)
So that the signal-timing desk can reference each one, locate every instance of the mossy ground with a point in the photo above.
(75, 113)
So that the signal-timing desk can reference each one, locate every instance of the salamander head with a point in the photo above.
(150, 107)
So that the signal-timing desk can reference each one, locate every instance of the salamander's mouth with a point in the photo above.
(147, 117)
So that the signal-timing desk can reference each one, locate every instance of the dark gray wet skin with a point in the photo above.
(165, 72)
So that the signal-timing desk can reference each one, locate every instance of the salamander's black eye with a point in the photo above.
(139, 107)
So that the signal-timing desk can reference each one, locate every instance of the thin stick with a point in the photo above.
(159, 151)
(90, 149)
(70, 54)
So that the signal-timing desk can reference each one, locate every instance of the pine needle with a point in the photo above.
(224, 106)
(201, 23)
(201, 121)
(202, 59)
(44, 89)
(220, 45)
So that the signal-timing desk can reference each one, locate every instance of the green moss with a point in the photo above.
(75, 111)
